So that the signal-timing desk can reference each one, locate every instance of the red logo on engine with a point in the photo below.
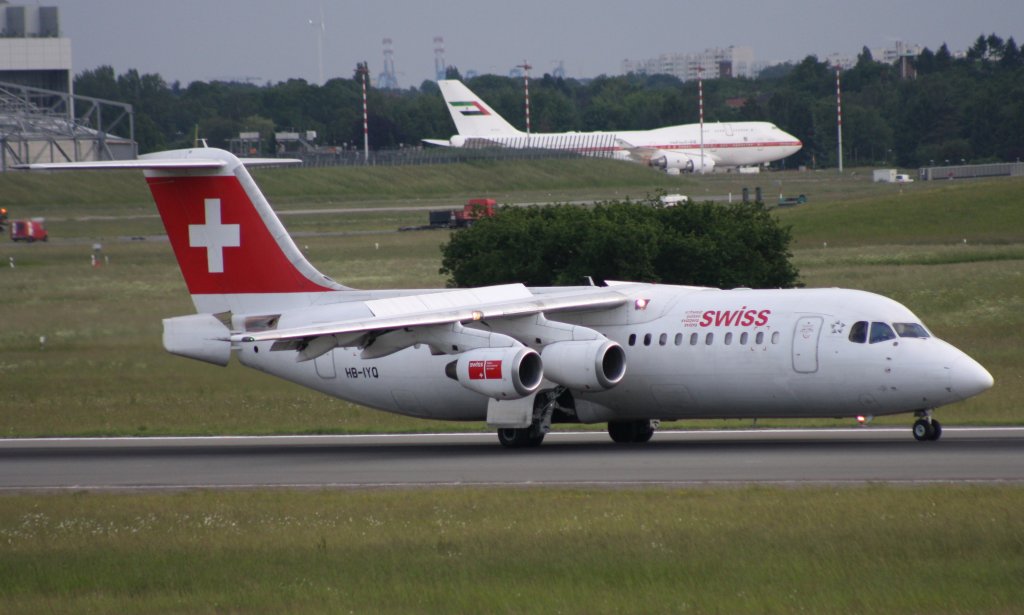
(485, 370)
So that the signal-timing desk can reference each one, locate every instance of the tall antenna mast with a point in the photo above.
(440, 68)
(319, 25)
(388, 79)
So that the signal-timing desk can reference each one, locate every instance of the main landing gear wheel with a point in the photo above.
(926, 430)
(513, 437)
(636, 432)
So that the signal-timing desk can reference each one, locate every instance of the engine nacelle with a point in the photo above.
(682, 161)
(501, 373)
(198, 336)
(592, 365)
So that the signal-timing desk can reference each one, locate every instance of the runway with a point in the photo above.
(681, 458)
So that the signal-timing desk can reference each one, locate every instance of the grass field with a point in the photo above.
(871, 549)
(102, 325)
(102, 371)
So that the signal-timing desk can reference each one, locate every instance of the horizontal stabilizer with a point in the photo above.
(147, 163)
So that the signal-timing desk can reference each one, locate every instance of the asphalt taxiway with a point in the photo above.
(768, 456)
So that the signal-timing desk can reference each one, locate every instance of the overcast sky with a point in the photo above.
(265, 40)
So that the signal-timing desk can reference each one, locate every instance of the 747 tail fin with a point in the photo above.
(472, 116)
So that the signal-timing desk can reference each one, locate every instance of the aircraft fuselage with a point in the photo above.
(692, 353)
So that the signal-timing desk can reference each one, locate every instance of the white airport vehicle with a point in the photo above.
(672, 148)
(626, 354)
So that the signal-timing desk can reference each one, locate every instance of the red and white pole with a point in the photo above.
(366, 123)
(839, 120)
(700, 104)
(526, 93)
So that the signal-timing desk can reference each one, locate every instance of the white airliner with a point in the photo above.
(673, 148)
(626, 354)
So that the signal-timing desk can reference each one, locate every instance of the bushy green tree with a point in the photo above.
(702, 244)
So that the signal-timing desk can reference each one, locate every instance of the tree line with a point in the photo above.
(948, 108)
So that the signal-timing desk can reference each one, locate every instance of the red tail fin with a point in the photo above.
(229, 243)
(222, 244)
(231, 247)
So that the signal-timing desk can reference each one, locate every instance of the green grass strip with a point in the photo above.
(870, 549)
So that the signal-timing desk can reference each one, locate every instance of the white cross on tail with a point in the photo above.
(214, 236)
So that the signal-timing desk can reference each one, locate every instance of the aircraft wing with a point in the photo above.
(637, 153)
(414, 313)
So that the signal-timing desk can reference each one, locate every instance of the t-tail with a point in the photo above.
(472, 116)
(232, 249)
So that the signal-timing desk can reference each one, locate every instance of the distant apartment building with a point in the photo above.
(739, 62)
(900, 55)
(713, 63)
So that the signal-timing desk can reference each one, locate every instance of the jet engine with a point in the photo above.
(586, 365)
(501, 373)
(681, 161)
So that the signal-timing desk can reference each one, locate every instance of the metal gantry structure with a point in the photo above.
(38, 125)
(388, 79)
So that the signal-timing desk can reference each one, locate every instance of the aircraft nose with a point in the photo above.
(794, 144)
(968, 378)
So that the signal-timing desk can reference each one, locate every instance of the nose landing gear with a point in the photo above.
(927, 429)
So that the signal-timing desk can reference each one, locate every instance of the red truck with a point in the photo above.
(28, 230)
(474, 209)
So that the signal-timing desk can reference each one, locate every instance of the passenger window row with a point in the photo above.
(707, 339)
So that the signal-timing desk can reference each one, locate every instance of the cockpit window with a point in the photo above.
(881, 332)
(909, 329)
(859, 332)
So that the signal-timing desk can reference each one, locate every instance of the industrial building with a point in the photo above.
(41, 119)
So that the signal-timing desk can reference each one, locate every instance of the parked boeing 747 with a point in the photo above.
(673, 148)
(626, 354)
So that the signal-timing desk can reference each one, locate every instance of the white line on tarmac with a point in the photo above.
(768, 431)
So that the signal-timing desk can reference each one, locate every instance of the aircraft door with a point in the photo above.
(805, 344)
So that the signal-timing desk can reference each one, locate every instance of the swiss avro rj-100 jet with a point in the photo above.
(672, 148)
(626, 354)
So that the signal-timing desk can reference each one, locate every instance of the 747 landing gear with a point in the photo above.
(927, 429)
